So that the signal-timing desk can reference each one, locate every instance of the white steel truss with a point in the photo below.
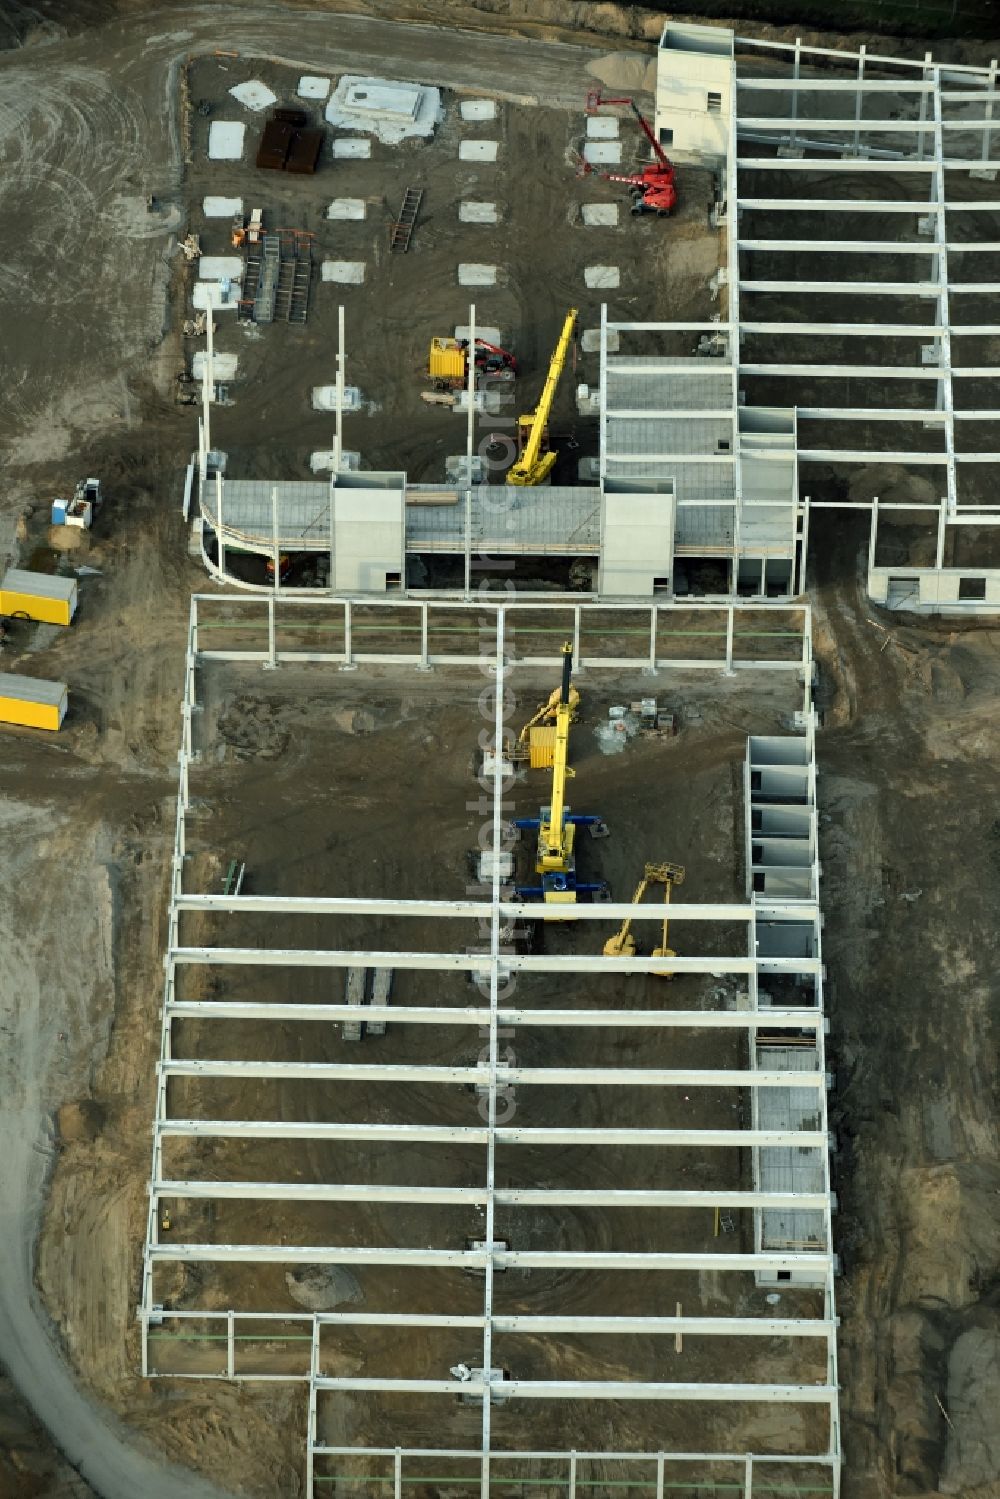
(776, 943)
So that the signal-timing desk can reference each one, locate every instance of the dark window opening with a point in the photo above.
(972, 588)
(715, 104)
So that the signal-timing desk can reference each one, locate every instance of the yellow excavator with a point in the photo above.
(537, 460)
(622, 944)
(555, 860)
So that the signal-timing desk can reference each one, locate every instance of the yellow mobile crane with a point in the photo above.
(622, 944)
(534, 465)
(554, 857)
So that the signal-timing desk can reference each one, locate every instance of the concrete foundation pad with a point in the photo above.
(478, 150)
(603, 153)
(221, 208)
(391, 110)
(483, 331)
(478, 109)
(599, 214)
(590, 340)
(603, 277)
(588, 470)
(254, 95)
(214, 267)
(346, 272)
(477, 213)
(209, 294)
(225, 140)
(310, 87)
(351, 148)
(324, 398)
(602, 128)
(983, 174)
(322, 462)
(347, 208)
(462, 401)
(223, 366)
(472, 274)
(456, 468)
(588, 400)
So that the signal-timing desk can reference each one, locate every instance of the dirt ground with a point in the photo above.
(540, 247)
(906, 755)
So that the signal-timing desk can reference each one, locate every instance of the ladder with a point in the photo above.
(402, 229)
(267, 286)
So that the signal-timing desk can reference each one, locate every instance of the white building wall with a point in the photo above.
(694, 88)
(368, 537)
(637, 543)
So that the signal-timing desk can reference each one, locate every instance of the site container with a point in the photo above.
(38, 596)
(30, 701)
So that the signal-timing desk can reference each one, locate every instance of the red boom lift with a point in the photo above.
(653, 187)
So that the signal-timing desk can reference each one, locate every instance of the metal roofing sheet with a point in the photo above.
(32, 689)
(42, 585)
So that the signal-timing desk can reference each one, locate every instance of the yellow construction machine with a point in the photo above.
(536, 742)
(622, 944)
(537, 460)
(554, 857)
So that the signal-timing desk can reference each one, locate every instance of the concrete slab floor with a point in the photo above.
(602, 128)
(478, 109)
(478, 150)
(483, 331)
(472, 274)
(605, 153)
(347, 208)
(477, 213)
(225, 140)
(321, 462)
(347, 272)
(456, 468)
(221, 208)
(605, 277)
(351, 148)
(599, 214)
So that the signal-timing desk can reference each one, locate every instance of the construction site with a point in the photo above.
(478, 686)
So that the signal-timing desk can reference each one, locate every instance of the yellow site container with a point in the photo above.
(447, 360)
(542, 748)
(38, 596)
(33, 702)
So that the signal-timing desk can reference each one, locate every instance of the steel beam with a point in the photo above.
(463, 1134)
(816, 1263)
(514, 1389)
(544, 1197)
(408, 1072)
(224, 1009)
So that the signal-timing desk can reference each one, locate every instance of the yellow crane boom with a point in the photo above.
(555, 834)
(534, 466)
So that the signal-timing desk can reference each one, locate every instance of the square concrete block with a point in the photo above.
(351, 148)
(347, 208)
(254, 95)
(602, 128)
(477, 213)
(483, 331)
(223, 365)
(310, 87)
(221, 208)
(603, 153)
(590, 340)
(603, 277)
(214, 267)
(479, 109)
(478, 150)
(347, 272)
(225, 140)
(205, 294)
(471, 274)
(324, 398)
(600, 214)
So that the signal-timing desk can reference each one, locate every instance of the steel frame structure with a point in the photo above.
(756, 961)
